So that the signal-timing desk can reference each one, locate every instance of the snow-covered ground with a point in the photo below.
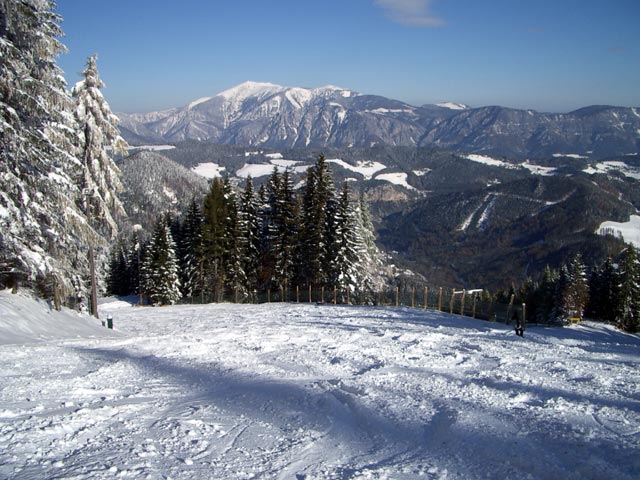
(209, 170)
(306, 391)
(629, 231)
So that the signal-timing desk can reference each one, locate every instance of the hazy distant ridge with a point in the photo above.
(269, 115)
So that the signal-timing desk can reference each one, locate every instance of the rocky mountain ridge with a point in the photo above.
(273, 116)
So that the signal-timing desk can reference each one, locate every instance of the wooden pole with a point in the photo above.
(268, 295)
(453, 297)
(513, 296)
(297, 294)
(236, 295)
(309, 293)
(94, 293)
(397, 296)
(462, 303)
(426, 297)
(335, 295)
(475, 300)
(524, 316)
(440, 300)
(322, 294)
(413, 296)
(348, 296)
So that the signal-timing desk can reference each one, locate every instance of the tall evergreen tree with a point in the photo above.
(42, 231)
(250, 226)
(214, 214)
(162, 283)
(118, 272)
(576, 293)
(370, 278)
(346, 247)
(628, 311)
(285, 233)
(236, 280)
(548, 287)
(98, 133)
(135, 259)
(318, 195)
(191, 251)
(603, 292)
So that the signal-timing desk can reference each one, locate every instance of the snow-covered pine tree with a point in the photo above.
(576, 293)
(118, 282)
(547, 289)
(269, 215)
(603, 291)
(628, 311)
(135, 259)
(346, 247)
(285, 229)
(370, 276)
(236, 280)
(560, 312)
(250, 226)
(97, 134)
(191, 251)
(214, 214)
(162, 283)
(41, 229)
(318, 194)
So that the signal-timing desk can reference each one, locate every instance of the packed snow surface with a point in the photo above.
(305, 391)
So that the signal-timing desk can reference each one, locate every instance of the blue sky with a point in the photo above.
(548, 55)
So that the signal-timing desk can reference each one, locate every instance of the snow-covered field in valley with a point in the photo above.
(290, 391)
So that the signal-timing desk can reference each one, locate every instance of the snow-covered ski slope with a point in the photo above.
(289, 391)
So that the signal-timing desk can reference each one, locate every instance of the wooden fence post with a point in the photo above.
(335, 295)
(397, 296)
(413, 295)
(524, 316)
(322, 294)
(309, 293)
(268, 295)
(475, 300)
(453, 297)
(426, 296)
(462, 303)
(348, 296)
(440, 300)
(297, 294)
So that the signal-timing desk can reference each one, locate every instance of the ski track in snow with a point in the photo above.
(289, 391)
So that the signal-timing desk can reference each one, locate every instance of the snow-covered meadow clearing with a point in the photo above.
(304, 391)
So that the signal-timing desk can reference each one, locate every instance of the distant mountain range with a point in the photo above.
(273, 116)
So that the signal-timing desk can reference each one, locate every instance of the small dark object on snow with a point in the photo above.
(110, 322)
(518, 326)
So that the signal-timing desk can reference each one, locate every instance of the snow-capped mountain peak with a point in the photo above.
(198, 102)
(453, 106)
(250, 89)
